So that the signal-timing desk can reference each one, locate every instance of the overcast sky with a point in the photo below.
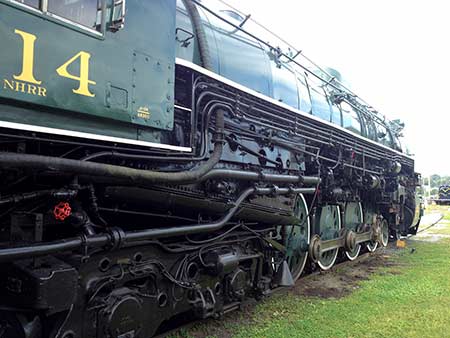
(394, 53)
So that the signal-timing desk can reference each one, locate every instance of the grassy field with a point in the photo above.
(410, 297)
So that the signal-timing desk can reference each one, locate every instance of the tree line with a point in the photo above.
(434, 182)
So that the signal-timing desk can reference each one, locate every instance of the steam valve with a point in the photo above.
(62, 211)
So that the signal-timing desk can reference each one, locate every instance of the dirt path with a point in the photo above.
(429, 231)
(344, 278)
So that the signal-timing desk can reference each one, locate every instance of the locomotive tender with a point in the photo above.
(161, 159)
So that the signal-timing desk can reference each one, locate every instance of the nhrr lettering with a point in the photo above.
(42, 91)
(26, 88)
(8, 85)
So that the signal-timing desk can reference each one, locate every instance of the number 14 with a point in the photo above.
(27, 74)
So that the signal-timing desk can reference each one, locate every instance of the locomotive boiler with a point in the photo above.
(162, 159)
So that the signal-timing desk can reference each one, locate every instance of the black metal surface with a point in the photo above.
(117, 238)
(38, 162)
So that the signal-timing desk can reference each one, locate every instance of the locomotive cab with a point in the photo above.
(89, 68)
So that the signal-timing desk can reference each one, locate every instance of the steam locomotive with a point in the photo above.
(162, 158)
(443, 195)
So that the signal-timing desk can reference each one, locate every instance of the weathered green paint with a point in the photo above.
(133, 70)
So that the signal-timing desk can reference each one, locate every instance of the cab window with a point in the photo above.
(83, 12)
(87, 13)
(32, 3)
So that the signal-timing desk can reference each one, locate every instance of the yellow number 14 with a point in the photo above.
(27, 74)
(83, 78)
(28, 58)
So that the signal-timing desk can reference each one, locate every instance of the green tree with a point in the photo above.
(435, 181)
(445, 180)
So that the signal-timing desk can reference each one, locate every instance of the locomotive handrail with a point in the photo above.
(297, 52)
(365, 108)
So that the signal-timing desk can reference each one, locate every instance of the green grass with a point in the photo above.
(443, 231)
(445, 211)
(412, 302)
(415, 303)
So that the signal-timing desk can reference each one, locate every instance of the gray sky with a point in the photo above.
(395, 54)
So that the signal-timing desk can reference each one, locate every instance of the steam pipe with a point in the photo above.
(190, 229)
(260, 177)
(211, 227)
(40, 249)
(38, 162)
(117, 238)
(199, 31)
(37, 194)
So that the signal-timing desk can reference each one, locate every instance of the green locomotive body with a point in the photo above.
(90, 77)
(161, 159)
